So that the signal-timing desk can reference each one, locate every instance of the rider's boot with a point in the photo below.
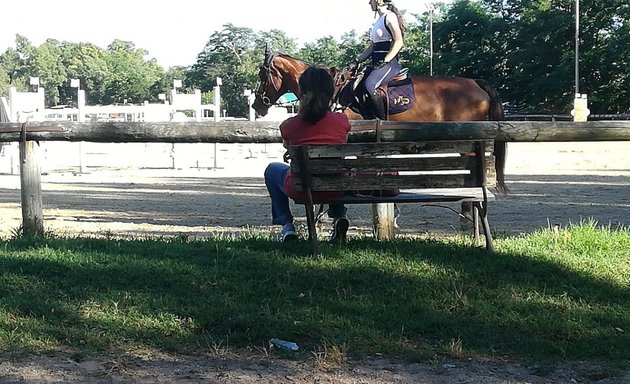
(378, 107)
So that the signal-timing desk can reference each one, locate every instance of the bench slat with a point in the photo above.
(328, 165)
(412, 196)
(346, 183)
(385, 149)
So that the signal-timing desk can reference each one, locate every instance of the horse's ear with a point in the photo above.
(266, 49)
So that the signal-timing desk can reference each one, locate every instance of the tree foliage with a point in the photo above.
(232, 55)
(129, 77)
(524, 47)
(468, 44)
(88, 63)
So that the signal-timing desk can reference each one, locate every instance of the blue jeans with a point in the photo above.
(280, 210)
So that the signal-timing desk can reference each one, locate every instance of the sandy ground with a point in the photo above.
(158, 189)
(130, 190)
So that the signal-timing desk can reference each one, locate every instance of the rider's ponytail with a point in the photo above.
(316, 92)
(401, 21)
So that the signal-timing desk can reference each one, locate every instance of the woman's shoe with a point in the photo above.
(340, 230)
(288, 233)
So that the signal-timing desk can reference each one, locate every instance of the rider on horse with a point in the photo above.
(386, 41)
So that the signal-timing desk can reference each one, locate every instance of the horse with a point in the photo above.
(436, 98)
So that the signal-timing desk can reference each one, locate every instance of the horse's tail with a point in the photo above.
(496, 113)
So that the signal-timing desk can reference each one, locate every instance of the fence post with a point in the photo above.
(382, 213)
(80, 119)
(31, 190)
(383, 221)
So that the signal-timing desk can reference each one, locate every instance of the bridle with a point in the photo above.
(266, 79)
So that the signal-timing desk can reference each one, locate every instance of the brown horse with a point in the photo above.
(436, 99)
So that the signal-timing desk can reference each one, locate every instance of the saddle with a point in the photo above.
(398, 95)
(400, 77)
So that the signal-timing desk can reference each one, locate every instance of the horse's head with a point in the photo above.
(269, 85)
(278, 75)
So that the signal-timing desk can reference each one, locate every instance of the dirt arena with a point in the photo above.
(130, 189)
(155, 189)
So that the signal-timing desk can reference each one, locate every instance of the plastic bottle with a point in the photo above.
(283, 344)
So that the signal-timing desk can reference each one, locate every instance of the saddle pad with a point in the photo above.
(400, 97)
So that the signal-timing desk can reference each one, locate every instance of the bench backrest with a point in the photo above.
(382, 166)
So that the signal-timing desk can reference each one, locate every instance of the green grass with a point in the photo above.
(546, 297)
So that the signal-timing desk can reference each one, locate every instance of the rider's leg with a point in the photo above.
(378, 76)
(378, 106)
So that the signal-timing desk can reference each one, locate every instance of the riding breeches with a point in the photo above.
(381, 75)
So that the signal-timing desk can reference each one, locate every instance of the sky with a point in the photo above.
(174, 32)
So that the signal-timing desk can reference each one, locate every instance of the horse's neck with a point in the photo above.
(291, 69)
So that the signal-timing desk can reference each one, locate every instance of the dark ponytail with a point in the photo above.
(401, 21)
(316, 93)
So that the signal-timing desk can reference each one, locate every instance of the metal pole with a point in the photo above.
(577, 47)
(431, 41)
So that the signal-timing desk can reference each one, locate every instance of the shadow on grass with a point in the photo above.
(412, 297)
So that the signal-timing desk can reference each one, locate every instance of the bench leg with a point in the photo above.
(483, 211)
(475, 215)
(312, 230)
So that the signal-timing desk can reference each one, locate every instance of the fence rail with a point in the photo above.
(267, 132)
(562, 117)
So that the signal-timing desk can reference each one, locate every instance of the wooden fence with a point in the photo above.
(267, 132)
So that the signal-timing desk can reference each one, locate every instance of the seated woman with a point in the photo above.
(314, 124)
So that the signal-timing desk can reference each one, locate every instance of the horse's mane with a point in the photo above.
(271, 56)
(334, 71)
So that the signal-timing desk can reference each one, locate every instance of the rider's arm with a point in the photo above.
(366, 54)
(397, 38)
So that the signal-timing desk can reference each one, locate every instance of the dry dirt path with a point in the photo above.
(551, 184)
(254, 370)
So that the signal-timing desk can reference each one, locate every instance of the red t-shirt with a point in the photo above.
(333, 128)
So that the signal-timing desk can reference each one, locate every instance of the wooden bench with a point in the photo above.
(425, 172)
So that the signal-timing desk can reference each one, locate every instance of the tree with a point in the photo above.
(352, 45)
(276, 41)
(325, 52)
(416, 51)
(16, 63)
(129, 75)
(4, 82)
(468, 42)
(47, 63)
(88, 63)
(540, 53)
(232, 55)
(605, 55)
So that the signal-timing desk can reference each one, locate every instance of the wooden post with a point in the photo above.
(383, 221)
(382, 213)
(30, 179)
